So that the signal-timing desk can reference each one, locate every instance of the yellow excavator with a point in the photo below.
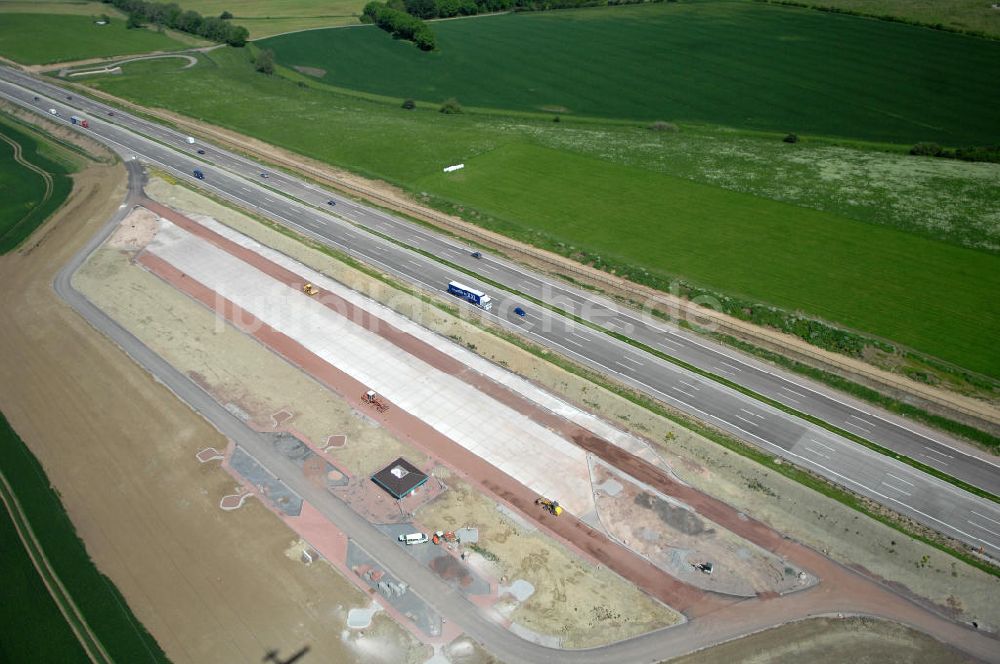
(550, 506)
(309, 289)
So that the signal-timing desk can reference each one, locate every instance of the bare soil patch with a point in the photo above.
(831, 641)
(310, 71)
(584, 605)
(120, 449)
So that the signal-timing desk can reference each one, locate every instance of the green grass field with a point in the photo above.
(837, 268)
(738, 64)
(268, 17)
(45, 38)
(27, 197)
(124, 638)
(616, 169)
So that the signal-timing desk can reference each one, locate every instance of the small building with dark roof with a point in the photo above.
(400, 478)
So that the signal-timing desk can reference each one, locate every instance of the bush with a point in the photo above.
(225, 16)
(133, 22)
(660, 125)
(451, 107)
(926, 150)
(264, 62)
(791, 138)
(409, 104)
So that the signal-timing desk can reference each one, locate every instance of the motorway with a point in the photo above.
(303, 206)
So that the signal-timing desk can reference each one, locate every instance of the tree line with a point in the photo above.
(404, 19)
(170, 15)
(399, 23)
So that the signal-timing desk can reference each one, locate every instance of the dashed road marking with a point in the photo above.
(900, 479)
(981, 526)
(813, 440)
(896, 488)
(983, 516)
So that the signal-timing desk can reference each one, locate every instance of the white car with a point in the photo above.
(413, 538)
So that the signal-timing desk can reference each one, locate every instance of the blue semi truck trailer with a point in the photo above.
(476, 297)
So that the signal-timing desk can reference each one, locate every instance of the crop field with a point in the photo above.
(32, 185)
(974, 15)
(737, 64)
(31, 627)
(267, 17)
(45, 38)
(616, 169)
(99, 601)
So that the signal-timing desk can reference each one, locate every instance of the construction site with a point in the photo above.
(557, 509)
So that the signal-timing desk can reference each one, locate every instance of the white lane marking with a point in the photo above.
(788, 392)
(859, 419)
(633, 360)
(817, 452)
(731, 366)
(931, 449)
(489, 267)
(900, 479)
(723, 371)
(668, 342)
(750, 422)
(934, 459)
(750, 412)
(979, 525)
(691, 385)
(983, 516)
(857, 426)
(896, 488)
(684, 392)
(570, 341)
(813, 440)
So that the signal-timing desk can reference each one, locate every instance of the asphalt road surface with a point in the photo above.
(304, 207)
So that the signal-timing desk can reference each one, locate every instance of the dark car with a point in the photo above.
(520, 312)
(476, 254)
(201, 152)
(111, 113)
(265, 175)
(331, 202)
(36, 98)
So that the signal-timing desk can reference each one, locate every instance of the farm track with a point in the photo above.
(87, 638)
(45, 175)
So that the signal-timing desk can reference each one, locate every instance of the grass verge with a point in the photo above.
(99, 602)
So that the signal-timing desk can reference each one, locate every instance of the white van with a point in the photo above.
(413, 538)
(190, 140)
